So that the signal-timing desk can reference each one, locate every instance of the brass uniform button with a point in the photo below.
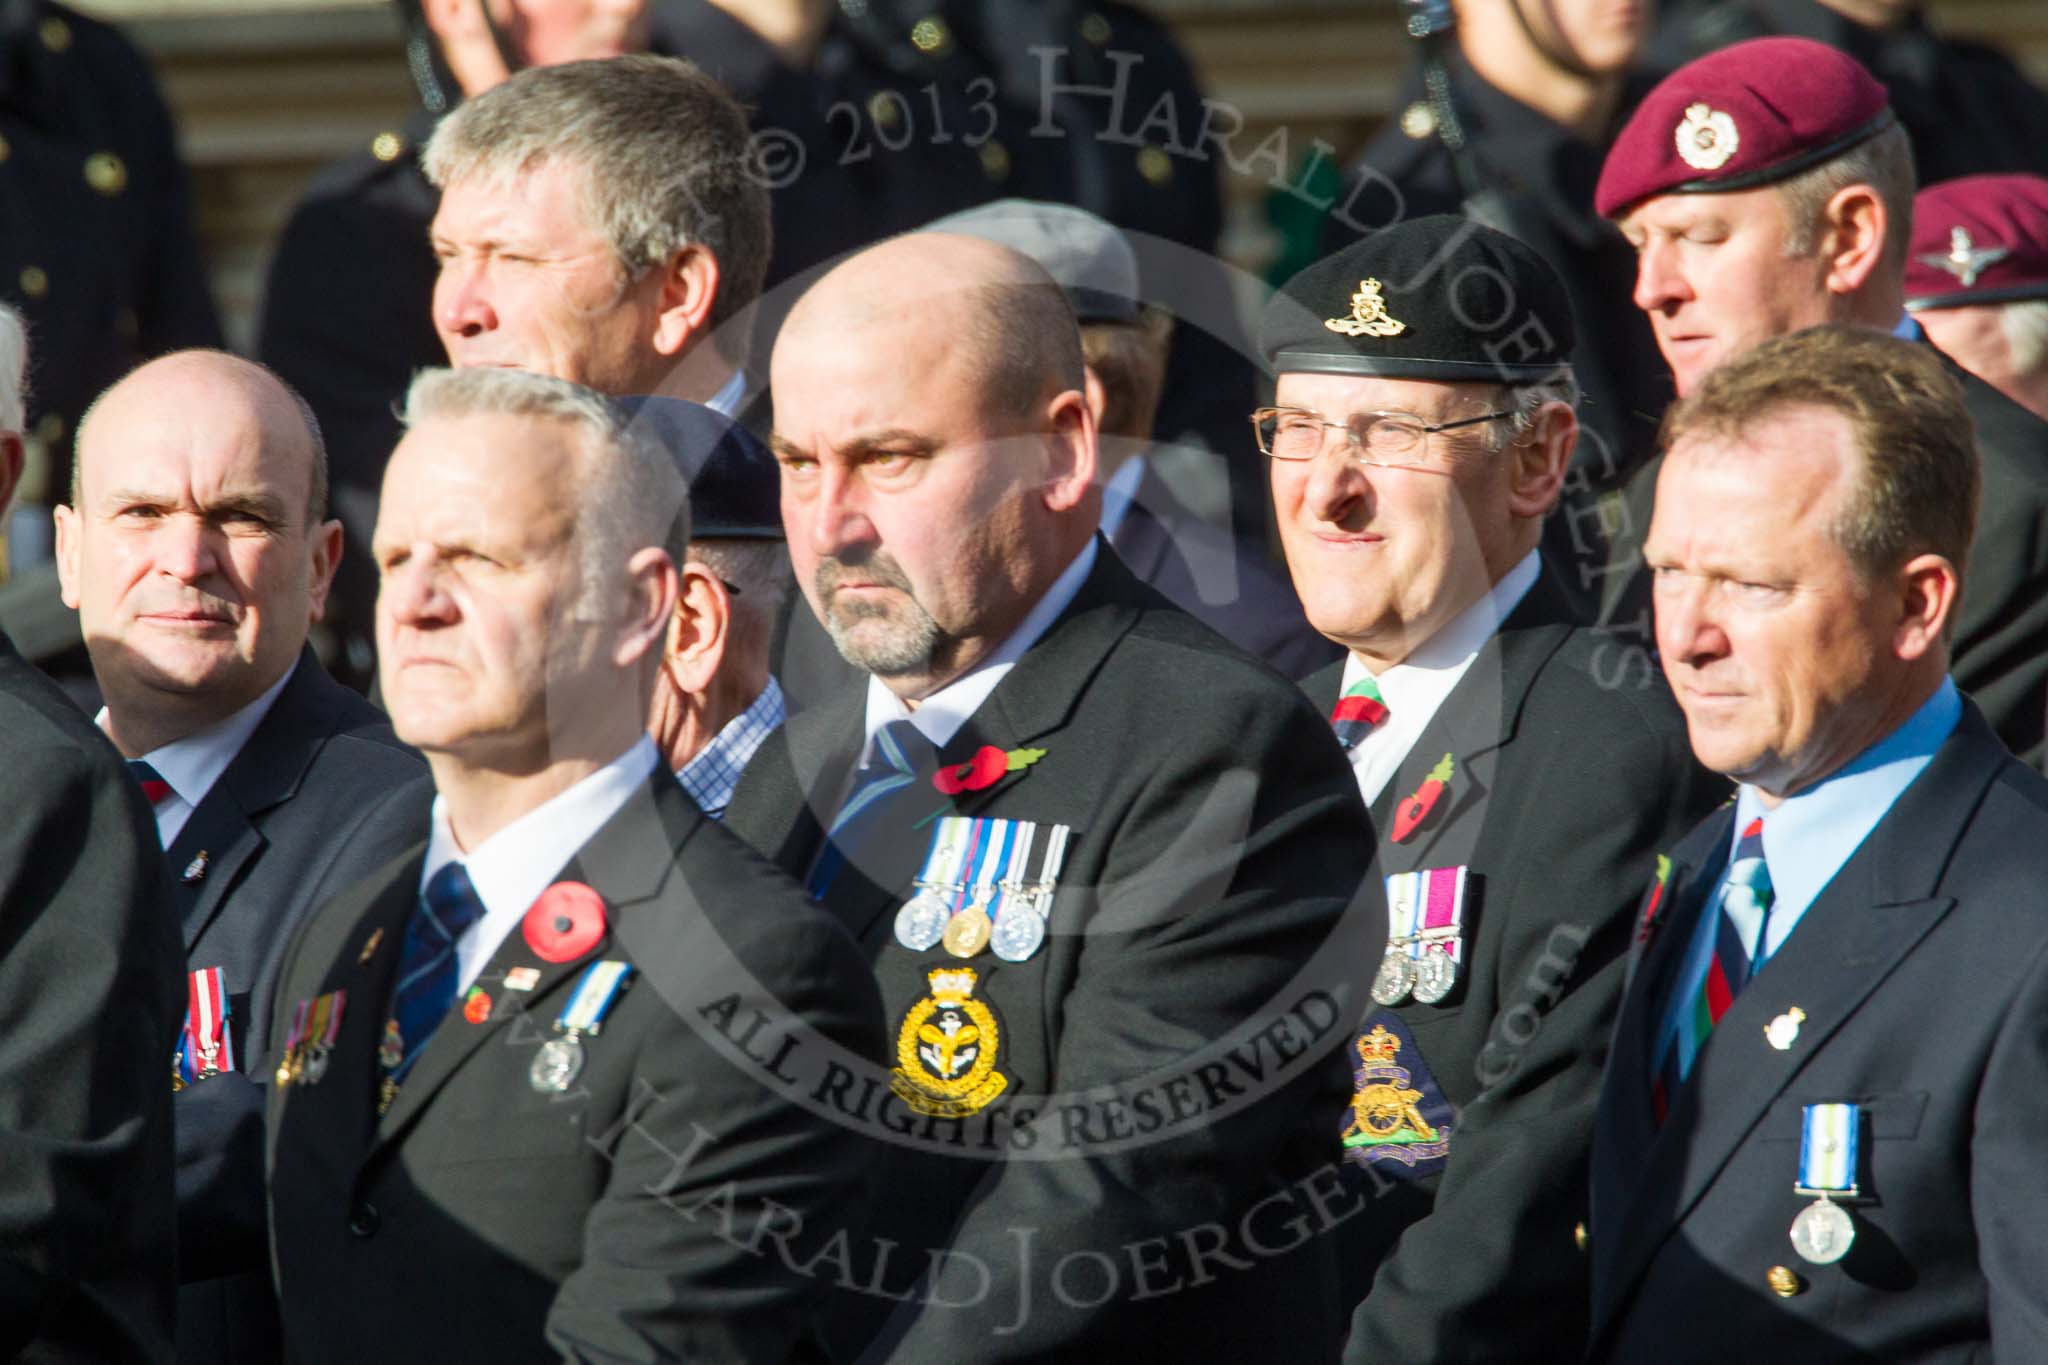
(387, 146)
(106, 173)
(55, 33)
(34, 282)
(1783, 1282)
(1156, 166)
(931, 36)
(885, 108)
(995, 160)
(1579, 1237)
(1418, 120)
(1095, 29)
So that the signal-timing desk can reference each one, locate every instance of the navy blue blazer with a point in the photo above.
(1921, 979)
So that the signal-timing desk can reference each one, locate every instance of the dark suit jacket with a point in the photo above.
(1223, 582)
(299, 815)
(92, 995)
(1572, 771)
(654, 1211)
(1922, 970)
(1159, 1080)
(2001, 639)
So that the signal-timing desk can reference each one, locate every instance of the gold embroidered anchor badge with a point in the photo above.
(1369, 316)
(947, 1049)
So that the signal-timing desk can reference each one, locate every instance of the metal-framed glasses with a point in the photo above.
(1389, 440)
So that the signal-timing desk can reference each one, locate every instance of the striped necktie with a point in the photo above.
(154, 788)
(1741, 922)
(428, 969)
(900, 756)
(1358, 712)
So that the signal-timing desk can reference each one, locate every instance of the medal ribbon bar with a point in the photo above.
(595, 992)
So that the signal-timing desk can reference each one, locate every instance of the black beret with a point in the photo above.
(1440, 298)
(734, 484)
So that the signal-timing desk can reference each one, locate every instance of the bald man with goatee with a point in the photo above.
(1090, 848)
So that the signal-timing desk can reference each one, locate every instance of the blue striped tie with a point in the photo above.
(428, 969)
(901, 755)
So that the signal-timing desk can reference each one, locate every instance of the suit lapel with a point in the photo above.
(266, 772)
(1874, 912)
(628, 862)
(1475, 721)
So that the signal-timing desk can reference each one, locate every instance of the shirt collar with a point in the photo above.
(193, 764)
(1810, 836)
(1454, 646)
(939, 717)
(1120, 492)
(512, 867)
(711, 776)
(1908, 328)
(726, 402)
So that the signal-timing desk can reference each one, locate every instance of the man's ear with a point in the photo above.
(1929, 587)
(1540, 459)
(1852, 241)
(689, 289)
(1071, 444)
(66, 519)
(650, 601)
(326, 551)
(699, 629)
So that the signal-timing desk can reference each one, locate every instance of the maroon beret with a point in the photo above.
(1980, 239)
(1748, 115)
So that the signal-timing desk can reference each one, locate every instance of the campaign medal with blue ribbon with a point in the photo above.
(560, 1060)
(1827, 1169)
(976, 890)
(921, 923)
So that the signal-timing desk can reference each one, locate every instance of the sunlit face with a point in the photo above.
(1770, 636)
(479, 580)
(551, 32)
(1712, 273)
(917, 525)
(526, 283)
(1598, 36)
(1384, 558)
(189, 557)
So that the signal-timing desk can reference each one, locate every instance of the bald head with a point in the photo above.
(1011, 318)
(217, 388)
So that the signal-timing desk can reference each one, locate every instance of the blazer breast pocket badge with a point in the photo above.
(1398, 1115)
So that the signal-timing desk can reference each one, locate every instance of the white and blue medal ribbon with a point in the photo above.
(1823, 1232)
(597, 990)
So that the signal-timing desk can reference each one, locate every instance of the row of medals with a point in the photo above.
(927, 918)
(1429, 978)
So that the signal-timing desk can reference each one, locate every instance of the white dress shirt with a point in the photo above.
(193, 764)
(939, 717)
(512, 867)
(1413, 689)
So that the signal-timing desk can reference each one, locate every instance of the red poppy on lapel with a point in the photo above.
(565, 922)
(1409, 815)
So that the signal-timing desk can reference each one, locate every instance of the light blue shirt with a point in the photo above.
(1809, 837)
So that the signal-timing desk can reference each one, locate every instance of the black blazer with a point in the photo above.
(93, 996)
(1163, 1074)
(1922, 971)
(1572, 771)
(2001, 640)
(1225, 583)
(653, 1212)
(300, 814)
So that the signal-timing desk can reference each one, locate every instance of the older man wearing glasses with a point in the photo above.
(1522, 770)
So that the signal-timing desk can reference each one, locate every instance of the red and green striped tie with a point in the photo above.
(1740, 925)
(1358, 711)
